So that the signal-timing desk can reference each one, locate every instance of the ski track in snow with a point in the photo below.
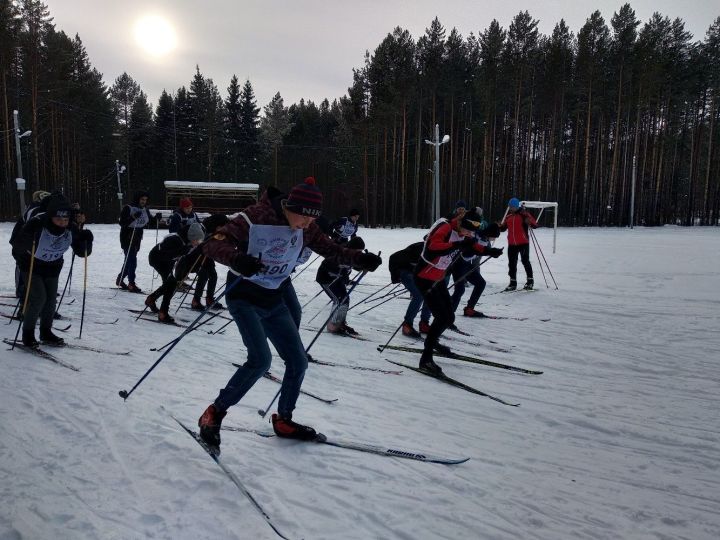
(619, 438)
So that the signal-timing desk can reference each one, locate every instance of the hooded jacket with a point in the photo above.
(133, 219)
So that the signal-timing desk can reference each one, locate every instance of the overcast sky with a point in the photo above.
(303, 48)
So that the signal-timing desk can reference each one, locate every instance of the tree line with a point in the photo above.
(578, 118)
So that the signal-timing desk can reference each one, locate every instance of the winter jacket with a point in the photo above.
(133, 219)
(50, 242)
(404, 260)
(170, 249)
(330, 271)
(179, 219)
(344, 229)
(232, 239)
(517, 228)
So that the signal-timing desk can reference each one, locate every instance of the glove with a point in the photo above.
(368, 261)
(466, 242)
(247, 265)
(85, 235)
(137, 214)
(158, 216)
(493, 252)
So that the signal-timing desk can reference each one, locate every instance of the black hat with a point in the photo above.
(305, 199)
(471, 221)
(491, 231)
(59, 207)
(355, 243)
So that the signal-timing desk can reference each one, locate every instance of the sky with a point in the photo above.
(302, 49)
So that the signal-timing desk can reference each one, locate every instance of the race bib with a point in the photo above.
(348, 229)
(141, 221)
(50, 247)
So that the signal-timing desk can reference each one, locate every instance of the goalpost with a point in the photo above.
(542, 206)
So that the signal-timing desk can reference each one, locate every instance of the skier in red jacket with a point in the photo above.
(444, 243)
(516, 223)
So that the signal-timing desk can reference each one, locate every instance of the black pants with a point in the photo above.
(206, 275)
(437, 298)
(524, 251)
(337, 292)
(459, 269)
(169, 284)
(41, 302)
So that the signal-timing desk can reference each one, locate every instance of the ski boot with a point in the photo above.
(134, 288)
(424, 327)
(529, 285)
(47, 336)
(285, 427)
(196, 305)
(409, 331)
(470, 312)
(512, 286)
(215, 306)
(119, 281)
(164, 317)
(209, 424)
(442, 349)
(150, 303)
(28, 339)
(428, 364)
(349, 329)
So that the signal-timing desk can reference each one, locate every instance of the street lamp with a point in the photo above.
(435, 209)
(20, 180)
(119, 169)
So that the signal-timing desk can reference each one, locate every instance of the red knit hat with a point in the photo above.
(186, 202)
(305, 199)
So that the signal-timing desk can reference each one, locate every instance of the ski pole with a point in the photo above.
(15, 310)
(393, 297)
(82, 315)
(124, 393)
(393, 292)
(263, 412)
(367, 298)
(175, 289)
(305, 267)
(27, 293)
(223, 327)
(157, 228)
(192, 283)
(322, 289)
(532, 238)
(72, 262)
(543, 256)
(158, 349)
(313, 298)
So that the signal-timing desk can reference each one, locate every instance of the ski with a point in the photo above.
(501, 317)
(361, 447)
(453, 382)
(215, 455)
(358, 368)
(212, 312)
(174, 323)
(107, 322)
(41, 353)
(16, 318)
(493, 347)
(458, 331)
(272, 377)
(79, 347)
(344, 334)
(465, 358)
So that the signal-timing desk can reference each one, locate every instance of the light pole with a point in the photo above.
(435, 210)
(119, 169)
(20, 180)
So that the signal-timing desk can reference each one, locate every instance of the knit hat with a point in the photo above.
(354, 212)
(355, 243)
(479, 211)
(471, 221)
(514, 203)
(38, 196)
(195, 232)
(305, 199)
(186, 202)
(59, 207)
(460, 204)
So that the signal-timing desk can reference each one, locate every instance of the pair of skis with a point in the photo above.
(43, 353)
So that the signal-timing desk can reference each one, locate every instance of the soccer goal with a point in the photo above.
(543, 206)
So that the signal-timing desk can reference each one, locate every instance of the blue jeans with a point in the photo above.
(416, 298)
(293, 304)
(130, 264)
(256, 326)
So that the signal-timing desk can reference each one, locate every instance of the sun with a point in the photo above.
(155, 35)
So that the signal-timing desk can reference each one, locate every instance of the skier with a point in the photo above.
(47, 236)
(206, 273)
(34, 208)
(134, 217)
(334, 278)
(468, 267)
(163, 257)
(346, 228)
(183, 216)
(516, 223)
(442, 245)
(402, 265)
(261, 246)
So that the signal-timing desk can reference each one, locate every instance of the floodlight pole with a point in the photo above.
(119, 188)
(20, 180)
(632, 192)
(435, 209)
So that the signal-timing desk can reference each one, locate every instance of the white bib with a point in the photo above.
(50, 247)
(140, 222)
(348, 229)
(280, 247)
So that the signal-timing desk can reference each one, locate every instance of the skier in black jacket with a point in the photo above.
(134, 217)
(41, 244)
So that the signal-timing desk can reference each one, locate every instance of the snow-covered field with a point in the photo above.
(619, 438)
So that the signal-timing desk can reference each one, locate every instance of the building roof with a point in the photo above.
(211, 186)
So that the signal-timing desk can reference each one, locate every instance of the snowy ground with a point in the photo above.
(619, 438)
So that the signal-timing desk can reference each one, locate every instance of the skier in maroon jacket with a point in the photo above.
(516, 223)
(261, 247)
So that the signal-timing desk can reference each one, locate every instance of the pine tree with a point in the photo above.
(249, 149)
(232, 129)
(274, 126)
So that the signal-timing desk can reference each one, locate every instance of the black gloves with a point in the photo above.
(493, 252)
(367, 261)
(247, 265)
(85, 235)
(158, 216)
(465, 242)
